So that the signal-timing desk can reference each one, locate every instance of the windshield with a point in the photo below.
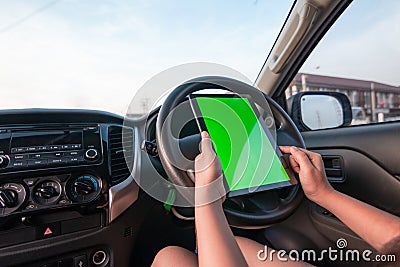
(96, 54)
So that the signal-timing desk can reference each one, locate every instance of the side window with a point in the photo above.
(360, 58)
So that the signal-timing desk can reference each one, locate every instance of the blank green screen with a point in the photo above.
(247, 156)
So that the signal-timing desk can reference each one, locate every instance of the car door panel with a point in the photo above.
(380, 142)
(369, 164)
(366, 180)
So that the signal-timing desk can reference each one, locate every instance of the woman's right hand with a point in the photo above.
(310, 167)
(207, 164)
(208, 177)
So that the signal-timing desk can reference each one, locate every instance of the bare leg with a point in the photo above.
(177, 256)
(250, 251)
(174, 256)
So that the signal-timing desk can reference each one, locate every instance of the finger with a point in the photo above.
(285, 149)
(315, 158)
(308, 152)
(205, 134)
(293, 163)
(206, 144)
(301, 158)
(207, 156)
(190, 173)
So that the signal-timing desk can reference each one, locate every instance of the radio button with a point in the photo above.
(55, 147)
(18, 150)
(67, 147)
(91, 154)
(41, 148)
(31, 149)
(39, 162)
(73, 153)
(19, 164)
(58, 154)
(73, 160)
(20, 157)
(35, 156)
(76, 146)
(55, 161)
(50, 155)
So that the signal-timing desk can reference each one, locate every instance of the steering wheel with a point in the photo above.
(252, 210)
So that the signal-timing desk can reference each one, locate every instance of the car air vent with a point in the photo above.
(121, 152)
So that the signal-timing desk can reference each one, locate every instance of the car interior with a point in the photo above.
(77, 186)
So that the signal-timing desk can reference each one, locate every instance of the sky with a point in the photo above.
(364, 43)
(96, 54)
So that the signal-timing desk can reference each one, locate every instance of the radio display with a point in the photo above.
(42, 138)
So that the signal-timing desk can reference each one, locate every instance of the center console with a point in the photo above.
(55, 182)
(29, 154)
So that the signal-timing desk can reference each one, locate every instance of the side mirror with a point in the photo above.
(319, 110)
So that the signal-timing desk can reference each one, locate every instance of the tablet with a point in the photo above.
(251, 162)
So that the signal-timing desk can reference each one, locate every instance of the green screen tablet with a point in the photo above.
(250, 160)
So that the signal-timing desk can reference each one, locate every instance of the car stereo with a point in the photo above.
(46, 147)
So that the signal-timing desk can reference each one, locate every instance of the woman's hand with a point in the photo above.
(310, 168)
(216, 244)
(208, 178)
(207, 165)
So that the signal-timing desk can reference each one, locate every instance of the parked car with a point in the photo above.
(359, 116)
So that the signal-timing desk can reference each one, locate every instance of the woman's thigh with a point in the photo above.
(251, 249)
(174, 256)
(178, 256)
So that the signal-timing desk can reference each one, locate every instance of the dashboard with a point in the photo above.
(65, 179)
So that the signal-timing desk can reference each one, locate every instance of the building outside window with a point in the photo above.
(361, 93)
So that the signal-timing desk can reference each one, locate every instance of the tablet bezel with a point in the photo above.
(202, 127)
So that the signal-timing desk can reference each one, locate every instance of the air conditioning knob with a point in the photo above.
(47, 192)
(12, 196)
(91, 154)
(8, 198)
(84, 186)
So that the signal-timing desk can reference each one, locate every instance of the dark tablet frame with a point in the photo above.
(202, 127)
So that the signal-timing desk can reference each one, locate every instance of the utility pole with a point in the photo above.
(373, 102)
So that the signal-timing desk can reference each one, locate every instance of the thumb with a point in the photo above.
(206, 144)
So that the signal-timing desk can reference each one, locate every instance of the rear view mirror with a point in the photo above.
(319, 110)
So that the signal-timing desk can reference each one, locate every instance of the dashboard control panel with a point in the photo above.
(58, 176)
(50, 166)
(24, 148)
(33, 194)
